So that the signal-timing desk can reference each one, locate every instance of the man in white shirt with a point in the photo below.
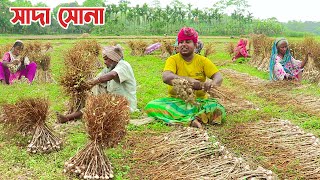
(117, 78)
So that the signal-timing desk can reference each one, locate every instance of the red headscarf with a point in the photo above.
(188, 33)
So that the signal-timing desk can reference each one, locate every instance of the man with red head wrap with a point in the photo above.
(195, 69)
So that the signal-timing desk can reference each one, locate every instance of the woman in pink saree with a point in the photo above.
(241, 50)
(13, 66)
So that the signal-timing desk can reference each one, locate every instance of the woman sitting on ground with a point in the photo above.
(282, 65)
(14, 67)
(241, 50)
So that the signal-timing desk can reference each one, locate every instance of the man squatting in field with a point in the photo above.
(117, 78)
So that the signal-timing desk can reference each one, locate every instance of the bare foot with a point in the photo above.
(61, 118)
(3, 82)
(216, 117)
(196, 123)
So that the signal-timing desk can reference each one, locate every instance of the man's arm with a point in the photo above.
(104, 78)
(168, 76)
(216, 79)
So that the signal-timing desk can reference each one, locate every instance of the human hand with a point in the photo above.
(196, 84)
(209, 84)
(92, 82)
(16, 62)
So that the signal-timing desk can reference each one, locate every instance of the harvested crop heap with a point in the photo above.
(189, 153)
(230, 100)
(79, 68)
(262, 46)
(283, 145)
(28, 116)
(106, 117)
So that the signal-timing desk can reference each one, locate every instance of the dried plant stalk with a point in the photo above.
(79, 68)
(106, 116)
(28, 116)
(262, 49)
(275, 139)
(189, 153)
(90, 163)
(230, 48)
(4, 48)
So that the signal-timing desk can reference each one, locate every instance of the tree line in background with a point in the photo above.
(123, 19)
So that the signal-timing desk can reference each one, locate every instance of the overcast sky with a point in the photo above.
(283, 10)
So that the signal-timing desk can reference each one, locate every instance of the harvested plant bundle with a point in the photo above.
(4, 48)
(209, 49)
(183, 90)
(137, 47)
(167, 48)
(79, 67)
(189, 153)
(38, 52)
(29, 116)
(91, 46)
(106, 116)
(230, 48)
(300, 49)
(262, 46)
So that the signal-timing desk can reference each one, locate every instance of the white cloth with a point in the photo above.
(125, 85)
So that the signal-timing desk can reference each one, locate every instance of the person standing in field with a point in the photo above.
(282, 65)
(117, 78)
(14, 67)
(195, 69)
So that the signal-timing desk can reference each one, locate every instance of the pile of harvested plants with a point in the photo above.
(106, 117)
(189, 153)
(39, 53)
(28, 116)
(294, 153)
(79, 68)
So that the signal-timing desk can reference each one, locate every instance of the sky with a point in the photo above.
(283, 10)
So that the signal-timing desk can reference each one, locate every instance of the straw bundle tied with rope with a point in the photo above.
(28, 116)
(106, 117)
(189, 153)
